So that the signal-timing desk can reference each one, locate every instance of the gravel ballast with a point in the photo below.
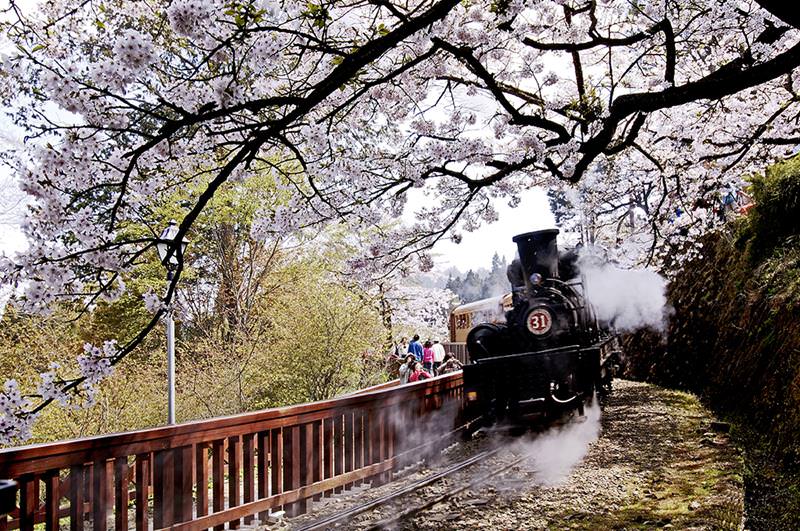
(657, 463)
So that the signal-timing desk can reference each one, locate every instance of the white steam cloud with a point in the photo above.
(630, 299)
(557, 451)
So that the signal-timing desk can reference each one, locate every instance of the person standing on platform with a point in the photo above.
(427, 357)
(451, 364)
(438, 354)
(415, 348)
(401, 349)
(407, 368)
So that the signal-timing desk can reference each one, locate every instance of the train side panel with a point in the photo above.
(465, 317)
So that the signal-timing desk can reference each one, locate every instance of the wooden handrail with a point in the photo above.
(259, 456)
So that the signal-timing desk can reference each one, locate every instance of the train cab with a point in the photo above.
(465, 317)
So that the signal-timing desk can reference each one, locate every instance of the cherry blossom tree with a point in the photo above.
(420, 310)
(650, 105)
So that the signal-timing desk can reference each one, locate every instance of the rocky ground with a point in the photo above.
(659, 461)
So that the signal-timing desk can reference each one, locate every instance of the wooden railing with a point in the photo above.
(224, 471)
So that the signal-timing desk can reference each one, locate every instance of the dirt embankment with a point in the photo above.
(734, 339)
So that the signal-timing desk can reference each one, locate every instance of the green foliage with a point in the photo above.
(775, 218)
(318, 13)
(499, 7)
(324, 342)
(267, 324)
(589, 107)
(382, 30)
(133, 397)
(560, 205)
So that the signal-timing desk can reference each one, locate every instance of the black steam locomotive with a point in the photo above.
(551, 354)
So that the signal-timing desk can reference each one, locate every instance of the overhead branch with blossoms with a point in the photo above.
(352, 105)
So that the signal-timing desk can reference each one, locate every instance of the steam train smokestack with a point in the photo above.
(538, 253)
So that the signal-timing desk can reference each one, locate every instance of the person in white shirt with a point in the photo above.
(407, 368)
(438, 354)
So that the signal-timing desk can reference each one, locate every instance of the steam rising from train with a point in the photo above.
(629, 299)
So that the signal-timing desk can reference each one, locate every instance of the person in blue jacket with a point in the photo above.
(415, 347)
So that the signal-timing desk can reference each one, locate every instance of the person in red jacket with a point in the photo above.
(418, 373)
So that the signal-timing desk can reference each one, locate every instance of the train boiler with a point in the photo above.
(550, 354)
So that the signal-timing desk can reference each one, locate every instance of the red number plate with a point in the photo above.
(539, 321)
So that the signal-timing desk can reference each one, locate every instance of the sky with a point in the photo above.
(477, 248)
(12, 199)
(12, 206)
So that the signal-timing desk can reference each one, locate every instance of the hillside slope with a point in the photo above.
(735, 340)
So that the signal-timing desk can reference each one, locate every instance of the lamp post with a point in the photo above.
(166, 243)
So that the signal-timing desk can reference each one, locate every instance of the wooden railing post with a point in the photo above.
(338, 448)
(306, 462)
(218, 477)
(163, 488)
(291, 465)
(121, 493)
(234, 471)
(358, 441)
(28, 501)
(52, 497)
(183, 484)
(317, 446)
(77, 495)
(371, 443)
(142, 470)
(381, 444)
(328, 446)
(248, 471)
(276, 462)
(349, 443)
(262, 462)
(101, 470)
(390, 439)
(201, 478)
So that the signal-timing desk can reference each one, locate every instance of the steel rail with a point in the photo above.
(385, 523)
(346, 515)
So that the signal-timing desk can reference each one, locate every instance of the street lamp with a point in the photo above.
(165, 244)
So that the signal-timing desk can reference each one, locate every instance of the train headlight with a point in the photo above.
(472, 396)
(536, 279)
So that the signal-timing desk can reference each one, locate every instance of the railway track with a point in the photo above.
(424, 492)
